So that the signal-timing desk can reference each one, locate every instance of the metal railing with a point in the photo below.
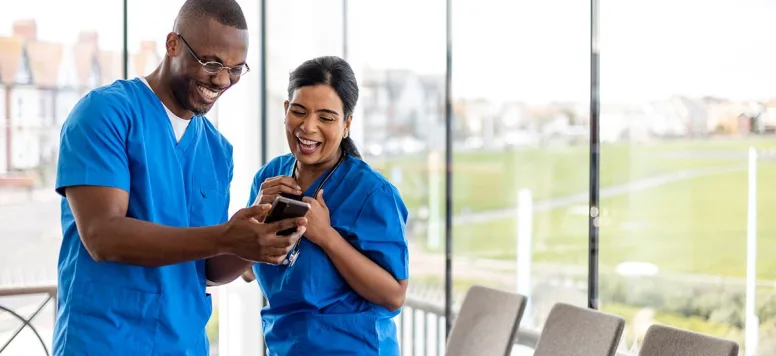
(431, 327)
(51, 297)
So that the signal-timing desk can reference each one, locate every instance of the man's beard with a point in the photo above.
(183, 92)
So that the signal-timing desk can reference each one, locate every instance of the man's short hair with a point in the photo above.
(226, 12)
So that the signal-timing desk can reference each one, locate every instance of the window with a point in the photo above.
(687, 123)
(23, 74)
(401, 70)
(520, 165)
(36, 32)
(682, 109)
(292, 38)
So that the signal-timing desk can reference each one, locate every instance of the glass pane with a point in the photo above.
(401, 76)
(683, 103)
(294, 36)
(520, 171)
(47, 62)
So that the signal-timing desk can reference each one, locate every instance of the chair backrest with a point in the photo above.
(661, 340)
(576, 331)
(487, 323)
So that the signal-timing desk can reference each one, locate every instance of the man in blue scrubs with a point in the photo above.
(145, 182)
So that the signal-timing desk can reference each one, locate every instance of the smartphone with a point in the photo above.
(284, 208)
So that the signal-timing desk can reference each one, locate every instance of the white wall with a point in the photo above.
(25, 149)
(3, 163)
(68, 75)
(25, 107)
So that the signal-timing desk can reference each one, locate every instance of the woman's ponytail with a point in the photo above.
(349, 147)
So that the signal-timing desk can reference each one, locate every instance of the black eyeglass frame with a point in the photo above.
(212, 67)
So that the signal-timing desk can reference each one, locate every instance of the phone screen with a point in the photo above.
(284, 208)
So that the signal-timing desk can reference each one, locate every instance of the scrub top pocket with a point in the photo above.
(126, 314)
(208, 204)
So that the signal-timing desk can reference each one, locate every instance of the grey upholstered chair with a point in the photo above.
(663, 340)
(575, 331)
(486, 324)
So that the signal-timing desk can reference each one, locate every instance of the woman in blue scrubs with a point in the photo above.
(339, 288)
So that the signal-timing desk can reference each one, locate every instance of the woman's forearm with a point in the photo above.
(367, 278)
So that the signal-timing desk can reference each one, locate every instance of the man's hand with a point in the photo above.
(272, 187)
(252, 240)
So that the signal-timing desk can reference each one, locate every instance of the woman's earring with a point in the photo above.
(346, 134)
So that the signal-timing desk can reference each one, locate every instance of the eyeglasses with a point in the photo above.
(216, 67)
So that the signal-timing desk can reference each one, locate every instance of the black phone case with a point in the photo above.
(283, 210)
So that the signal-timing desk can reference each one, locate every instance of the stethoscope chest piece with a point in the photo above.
(292, 259)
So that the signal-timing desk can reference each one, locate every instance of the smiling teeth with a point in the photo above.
(307, 142)
(207, 93)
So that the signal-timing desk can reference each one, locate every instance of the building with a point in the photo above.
(40, 82)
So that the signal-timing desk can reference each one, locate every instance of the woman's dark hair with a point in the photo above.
(335, 72)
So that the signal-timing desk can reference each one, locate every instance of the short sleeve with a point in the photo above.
(379, 231)
(93, 145)
(254, 189)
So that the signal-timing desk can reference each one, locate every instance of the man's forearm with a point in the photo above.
(136, 242)
(224, 269)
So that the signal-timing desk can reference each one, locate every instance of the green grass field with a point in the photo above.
(695, 225)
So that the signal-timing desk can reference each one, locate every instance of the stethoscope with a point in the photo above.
(291, 258)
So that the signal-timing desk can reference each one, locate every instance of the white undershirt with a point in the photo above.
(178, 125)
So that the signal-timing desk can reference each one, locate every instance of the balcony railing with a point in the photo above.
(50, 291)
(421, 323)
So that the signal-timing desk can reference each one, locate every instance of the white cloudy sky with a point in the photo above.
(504, 49)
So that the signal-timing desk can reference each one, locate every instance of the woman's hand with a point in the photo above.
(272, 187)
(318, 220)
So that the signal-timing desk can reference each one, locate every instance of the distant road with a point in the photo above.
(605, 192)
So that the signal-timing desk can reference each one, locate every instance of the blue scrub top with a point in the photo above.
(312, 310)
(120, 136)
